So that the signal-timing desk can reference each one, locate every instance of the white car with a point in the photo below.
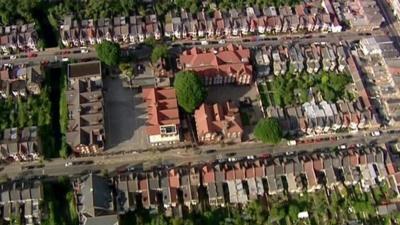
(65, 59)
(376, 133)
(12, 57)
(232, 159)
(342, 147)
(84, 50)
(67, 164)
(250, 157)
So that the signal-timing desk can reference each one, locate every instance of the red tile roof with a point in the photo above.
(227, 61)
(363, 159)
(208, 174)
(354, 161)
(217, 118)
(230, 173)
(162, 108)
(239, 172)
(250, 171)
(309, 169)
(397, 177)
(390, 168)
(318, 164)
(259, 169)
(173, 178)
(174, 194)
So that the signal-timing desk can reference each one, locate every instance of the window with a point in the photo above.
(170, 129)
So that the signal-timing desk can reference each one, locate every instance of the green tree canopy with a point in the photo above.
(109, 53)
(189, 90)
(268, 131)
(160, 51)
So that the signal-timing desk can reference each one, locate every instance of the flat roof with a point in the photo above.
(84, 69)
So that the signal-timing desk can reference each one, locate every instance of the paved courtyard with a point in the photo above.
(125, 117)
(250, 115)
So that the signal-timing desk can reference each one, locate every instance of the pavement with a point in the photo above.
(118, 162)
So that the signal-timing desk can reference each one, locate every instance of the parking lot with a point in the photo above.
(250, 113)
(125, 117)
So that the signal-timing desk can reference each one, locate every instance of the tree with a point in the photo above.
(268, 131)
(127, 72)
(109, 53)
(189, 90)
(160, 51)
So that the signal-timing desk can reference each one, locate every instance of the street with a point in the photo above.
(57, 167)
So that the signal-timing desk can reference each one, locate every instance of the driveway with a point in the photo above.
(125, 117)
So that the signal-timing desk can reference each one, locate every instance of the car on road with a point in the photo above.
(29, 167)
(265, 155)
(209, 151)
(376, 133)
(232, 159)
(343, 147)
(230, 154)
(250, 157)
(138, 167)
(84, 50)
(67, 164)
(12, 57)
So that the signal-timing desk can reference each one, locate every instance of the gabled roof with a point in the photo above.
(218, 118)
(162, 108)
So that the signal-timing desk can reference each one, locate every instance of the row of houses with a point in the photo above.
(22, 200)
(308, 16)
(20, 144)
(242, 181)
(134, 29)
(85, 130)
(22, 37)
(310, 58)
(182, 24)
(313, 118)
(20, 81)
(381, 64)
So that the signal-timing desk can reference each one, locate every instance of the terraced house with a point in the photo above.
(85, 132)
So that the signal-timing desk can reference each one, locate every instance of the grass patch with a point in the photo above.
(59, 203)
(264, 96)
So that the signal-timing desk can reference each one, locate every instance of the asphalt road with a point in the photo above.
(112, 163)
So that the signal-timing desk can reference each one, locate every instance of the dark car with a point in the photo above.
(230, 154)
(209, 151)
